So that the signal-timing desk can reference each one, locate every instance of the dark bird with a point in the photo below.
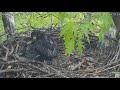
(41, 48)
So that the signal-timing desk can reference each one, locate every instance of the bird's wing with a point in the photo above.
(48, 43)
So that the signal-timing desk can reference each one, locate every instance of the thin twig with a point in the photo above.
(7, 53)
(12, 70)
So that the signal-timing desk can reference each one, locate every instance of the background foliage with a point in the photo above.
(74, 25)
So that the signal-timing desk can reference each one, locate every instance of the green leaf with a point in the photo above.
(101, 36)
(80, 46)
(69, 47)
(71, 14)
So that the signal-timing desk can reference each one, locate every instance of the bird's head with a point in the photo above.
(37, 34)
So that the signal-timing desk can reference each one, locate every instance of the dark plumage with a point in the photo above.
(41, 48)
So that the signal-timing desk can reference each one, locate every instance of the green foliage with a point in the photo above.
(75, 25)
(2, 38)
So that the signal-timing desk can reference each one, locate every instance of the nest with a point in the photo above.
(89, 65)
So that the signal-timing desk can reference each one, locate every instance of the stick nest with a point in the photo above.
(90, 65)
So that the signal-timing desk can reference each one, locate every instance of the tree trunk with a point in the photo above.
(9, 23)
(116, 19)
